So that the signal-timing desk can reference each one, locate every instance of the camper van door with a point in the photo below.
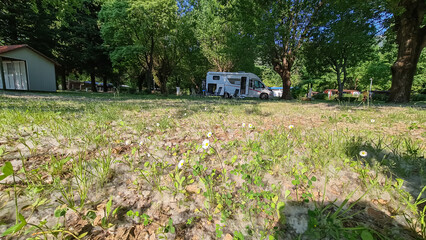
(243, 85)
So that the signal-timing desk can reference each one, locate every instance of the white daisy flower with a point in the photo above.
(372, 120)
(209, 134)
(149, 155)
(128, 142)
(180, 164)
(250, 125)
(243, 125)
(291, 126)
(206, 144)
(363, 153)
(140, 143)
(158, 124)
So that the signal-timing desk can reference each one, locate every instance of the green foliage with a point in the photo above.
(342, 38)
(419, 82)
(419, 97)
(269, 77)
(109, 213)
(168, 228)
(221, 37)
(146, 219)
(7, 170)
(325, 222)
(81, 43)
(30, 22)
(147, 39)
(102, 167)
(418, 208)
(17, 227)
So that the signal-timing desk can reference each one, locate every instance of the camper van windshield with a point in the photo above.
(216, 77)
(258, 84)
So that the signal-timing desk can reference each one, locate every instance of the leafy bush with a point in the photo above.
(298, 91)
(419, 97)
(380, 97)
(322, 96)
(132, 90)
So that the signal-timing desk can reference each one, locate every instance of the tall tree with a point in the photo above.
(193, 65)
(342, 37)
(410, 27)
(81, 45)
(135, 30)
(222, 39)
(282, 27)
(154, 39)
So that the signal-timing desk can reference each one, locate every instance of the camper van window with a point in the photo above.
(216, 77)
(234, 80)
(251, 83)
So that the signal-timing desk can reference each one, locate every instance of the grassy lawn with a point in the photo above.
(99, 166)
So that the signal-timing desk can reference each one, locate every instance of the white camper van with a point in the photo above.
(236, 84)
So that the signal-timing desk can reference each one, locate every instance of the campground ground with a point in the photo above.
(271, 169)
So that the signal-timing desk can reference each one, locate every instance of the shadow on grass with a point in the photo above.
(363, 220)
(177, 101)
(373, 104)
(401, 158)
(73, 102)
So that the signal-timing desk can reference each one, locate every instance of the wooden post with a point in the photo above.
(3, 80)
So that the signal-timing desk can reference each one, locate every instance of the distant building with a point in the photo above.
(24, 68)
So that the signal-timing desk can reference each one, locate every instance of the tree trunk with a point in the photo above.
(105, 83)
(150, 63)
(345, 77)
(284, 70)
(163, 87)
(339, 84)
(286, 85)
(149, 79)
(64, 80)
(411, 40)
(93, 81)
(140, 82)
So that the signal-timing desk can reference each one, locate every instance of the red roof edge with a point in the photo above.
(9, 48)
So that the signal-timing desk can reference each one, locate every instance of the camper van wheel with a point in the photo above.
(226, 95)
(264, 96)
